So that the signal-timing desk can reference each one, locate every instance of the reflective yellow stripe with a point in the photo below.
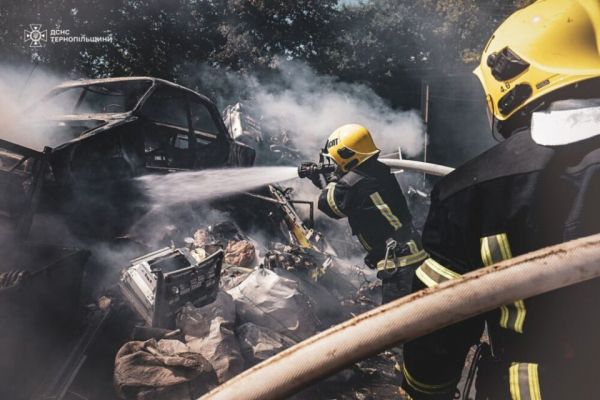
(534, 382)
(513, 373)
(521, 313)
(423, 277)
(331, 200)
(364, 243)
(414, 249)
(386, 211)
(427, 388)
(405, 261)
(440, 269)
(524, 381)
(432, 273)
(504, 316)
(504, 246)
(495, 249)
(512, 316)
(486, 256)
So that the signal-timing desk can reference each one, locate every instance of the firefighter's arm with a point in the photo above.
(334, 201)
(433, 364)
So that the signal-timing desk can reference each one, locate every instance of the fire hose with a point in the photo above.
(418, 166)
(413, 316)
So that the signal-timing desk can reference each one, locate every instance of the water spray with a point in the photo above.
(196, 186)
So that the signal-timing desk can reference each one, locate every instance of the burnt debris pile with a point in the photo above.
(255, 299)
(191, 303)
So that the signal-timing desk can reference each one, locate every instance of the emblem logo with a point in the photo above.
(35, 35)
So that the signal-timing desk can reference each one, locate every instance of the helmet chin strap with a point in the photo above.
(566, 121)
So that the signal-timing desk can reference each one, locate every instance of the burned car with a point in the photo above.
(99, 134)
(131, 127)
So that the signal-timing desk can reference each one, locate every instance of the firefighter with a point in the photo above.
(539, 187)
(365, 191)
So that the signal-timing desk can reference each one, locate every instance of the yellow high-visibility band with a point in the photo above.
(427, 388)
(401, 262)
(521, 313)
(524, 381)
(386, 211)
(534, 382)
(432, 273)
(504, 313)
(331, 200)
(414, 249)
(493, 250)
(423, 277)
(513, 373)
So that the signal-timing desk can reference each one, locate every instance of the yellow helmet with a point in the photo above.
(547, 46)
(349, 146)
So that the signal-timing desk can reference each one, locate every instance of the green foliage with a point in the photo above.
(258, 32)
(385, 39)
(376, 41)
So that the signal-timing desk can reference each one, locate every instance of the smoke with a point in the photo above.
(20, 87)
(310, 106)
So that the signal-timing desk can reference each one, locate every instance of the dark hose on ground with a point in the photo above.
(405, 319)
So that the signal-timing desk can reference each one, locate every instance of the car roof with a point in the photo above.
(85, 82)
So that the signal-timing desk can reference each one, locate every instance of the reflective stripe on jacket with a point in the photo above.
(372, 200)
(515, 198)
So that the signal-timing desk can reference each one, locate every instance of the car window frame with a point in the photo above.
(219, 135)
(187, 131)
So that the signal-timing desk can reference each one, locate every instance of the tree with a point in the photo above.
(259, 32)
(385, 39)
(377, 41)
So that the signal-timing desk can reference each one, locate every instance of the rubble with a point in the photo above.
(268, 300)
(209, 331)
(271, 141)
(258, 343)
(159, 284)
(211, 304)
(240, 253)
(164, 369)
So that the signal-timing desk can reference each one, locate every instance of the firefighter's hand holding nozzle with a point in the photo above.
(319, 174)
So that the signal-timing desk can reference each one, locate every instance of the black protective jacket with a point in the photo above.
(516, 198)
(372, 200)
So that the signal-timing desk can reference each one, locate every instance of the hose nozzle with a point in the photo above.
(312, 170)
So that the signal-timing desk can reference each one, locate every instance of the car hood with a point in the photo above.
(58, 131)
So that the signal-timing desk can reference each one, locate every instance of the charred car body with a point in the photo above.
(103, 132)
(133, 126)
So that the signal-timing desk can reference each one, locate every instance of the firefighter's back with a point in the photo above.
(514, 199)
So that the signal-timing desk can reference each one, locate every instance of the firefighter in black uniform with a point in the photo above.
(539, 187)
(369, 195)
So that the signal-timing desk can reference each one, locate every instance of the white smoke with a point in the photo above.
(20, 87)
(311, 106)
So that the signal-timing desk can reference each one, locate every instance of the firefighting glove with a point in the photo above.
(313, 173)
(334, 176)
